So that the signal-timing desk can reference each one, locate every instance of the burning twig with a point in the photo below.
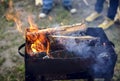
(72, 37)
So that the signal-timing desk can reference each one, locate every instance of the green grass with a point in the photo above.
(2, 60)
(15, 73)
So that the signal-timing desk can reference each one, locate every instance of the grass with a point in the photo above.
(15, 73)
(8, 41)
(2, 60)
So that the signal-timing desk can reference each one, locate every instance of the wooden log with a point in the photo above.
(75, 37)
(59, 46)
(60, 42)
(50, 35)
(59, 30)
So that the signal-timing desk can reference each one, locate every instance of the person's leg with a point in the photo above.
(98, 9)
(46, 8)
(67, 4)
(112, 9)
(99, 5)
(47, 4)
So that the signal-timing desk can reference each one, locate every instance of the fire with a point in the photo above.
(13, 15)
(38, 39)
(41, 44)
(33, 26)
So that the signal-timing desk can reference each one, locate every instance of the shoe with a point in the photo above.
(37, 2)
(92, 17)
(73, 10)
(106, 23)
(70, 9)
(44, 13)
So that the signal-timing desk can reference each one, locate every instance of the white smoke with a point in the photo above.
(79, 48)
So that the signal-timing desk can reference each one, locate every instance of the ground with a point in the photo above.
(12, 64)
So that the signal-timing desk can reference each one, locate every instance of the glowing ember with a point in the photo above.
(40, 43)
(40, 46)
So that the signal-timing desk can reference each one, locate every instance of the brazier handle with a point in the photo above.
(20, 47)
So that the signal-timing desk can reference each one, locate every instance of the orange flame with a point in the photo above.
(41, 44)
(38, 39)
(13, 15)
(33, 26)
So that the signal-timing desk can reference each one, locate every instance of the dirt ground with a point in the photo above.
(11, 39)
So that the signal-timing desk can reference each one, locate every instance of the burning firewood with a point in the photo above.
(71, 42)
(38, 42)
(53, 39)
(61, 30)
(72, 37)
